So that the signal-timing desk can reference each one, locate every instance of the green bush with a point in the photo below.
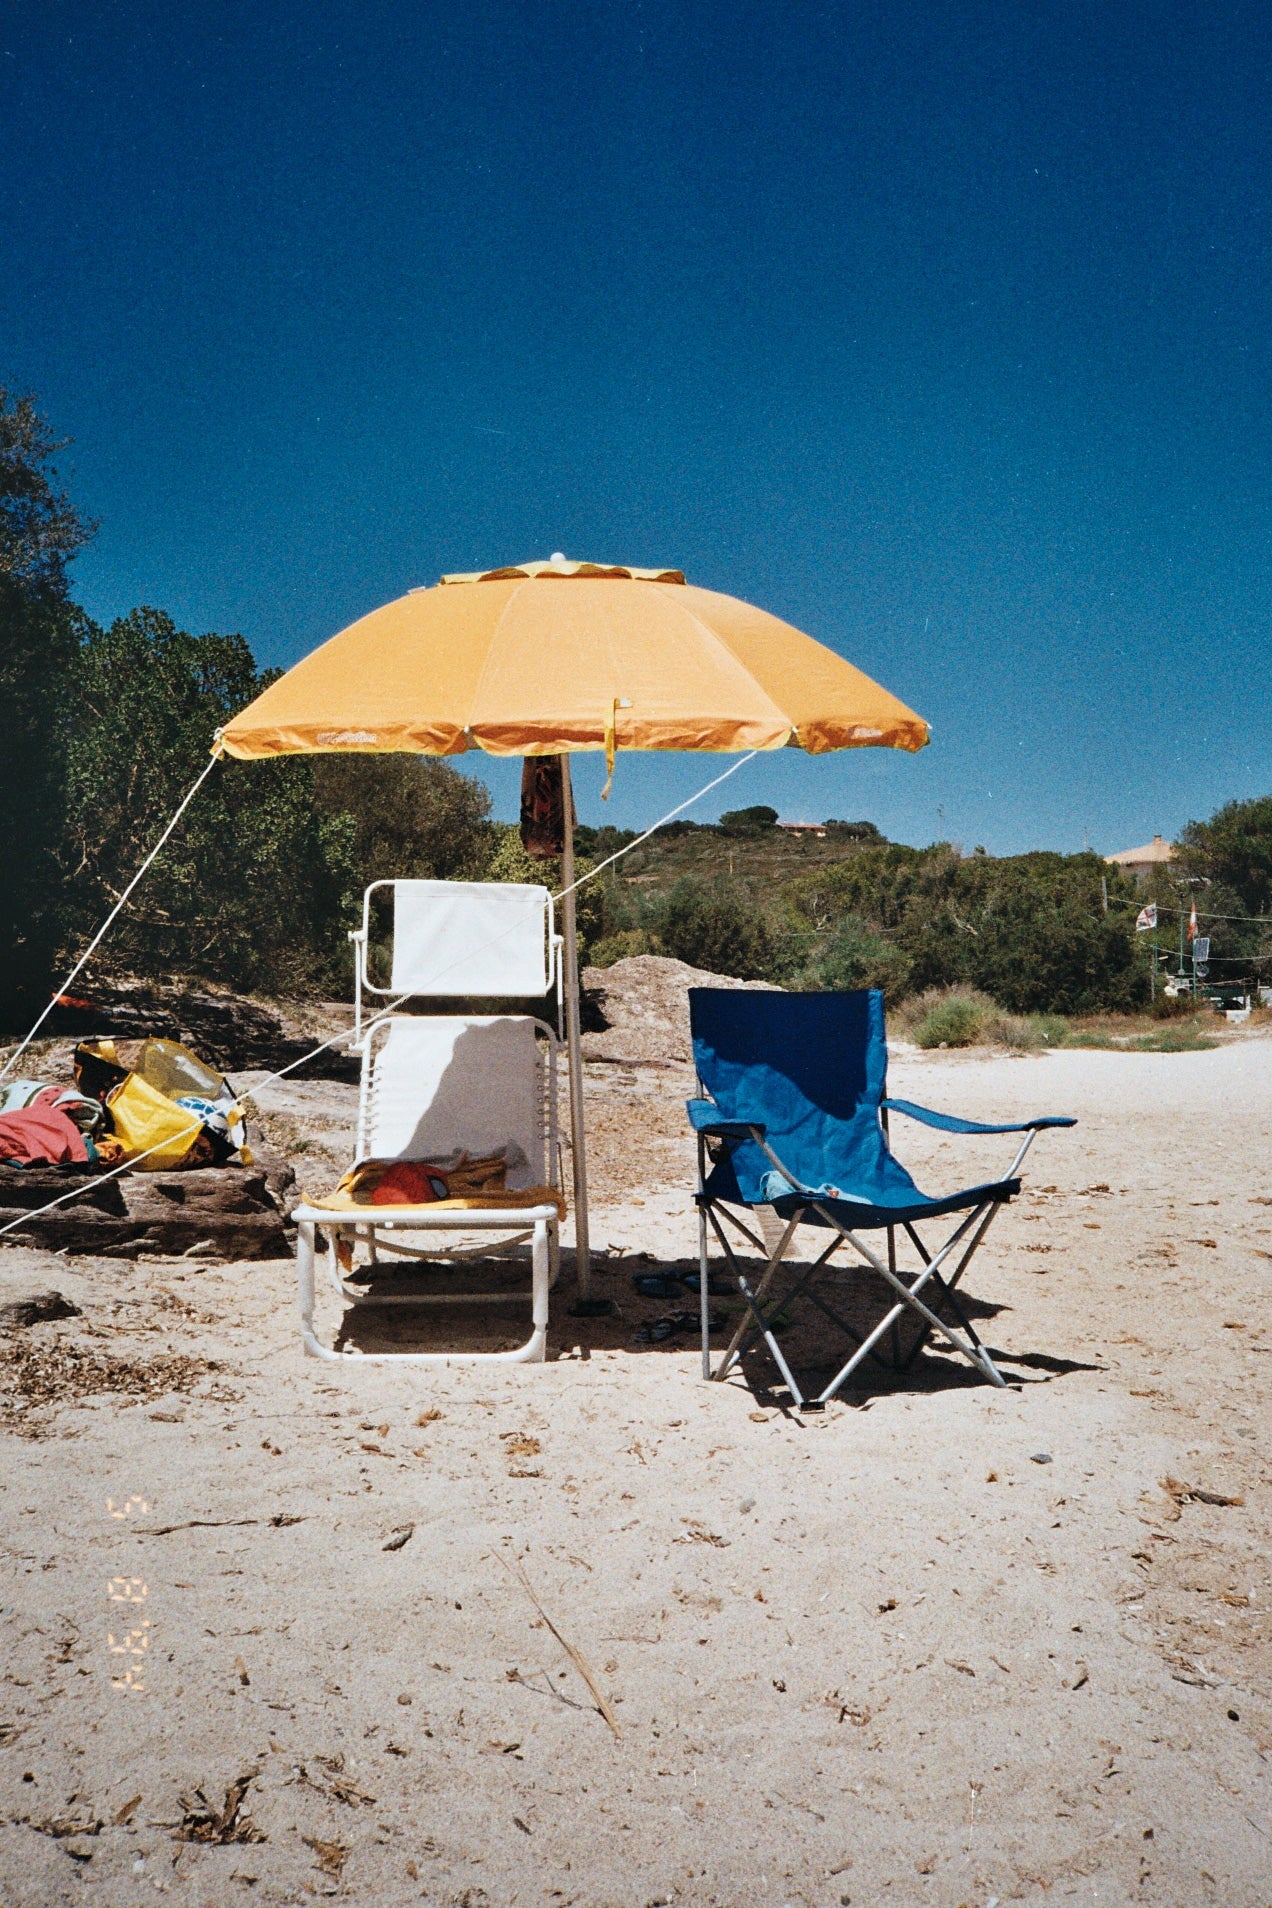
(855, 958)
(1019, 1033)
(1179, 1038)
(958, 1021)
(621, 946)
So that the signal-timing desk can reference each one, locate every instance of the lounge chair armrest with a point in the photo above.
(949, 1123)
(705, 1117)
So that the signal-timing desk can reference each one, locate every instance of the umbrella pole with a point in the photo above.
(574, 1050)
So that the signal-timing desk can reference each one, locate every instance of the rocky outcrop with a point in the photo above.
(638, 1009)
(223, 1029)
(224, 1212)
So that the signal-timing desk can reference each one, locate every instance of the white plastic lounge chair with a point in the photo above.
(434, 1086)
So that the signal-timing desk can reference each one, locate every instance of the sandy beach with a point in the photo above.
(268, 1638)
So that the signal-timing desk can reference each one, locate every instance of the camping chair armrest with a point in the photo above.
(705, 1118)
(949, 1123)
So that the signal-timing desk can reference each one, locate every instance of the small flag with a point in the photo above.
(1146, 918)
(1192, 923)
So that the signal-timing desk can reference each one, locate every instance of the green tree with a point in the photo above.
(756, 820)
(1029, 929)
(717, 927)
(414, 816)
(257, 886)
(1234, 848)
(857, 956)
(40, 531)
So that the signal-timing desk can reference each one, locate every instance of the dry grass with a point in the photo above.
(38, 1376)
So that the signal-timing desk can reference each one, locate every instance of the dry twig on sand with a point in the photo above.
(200, 1822)
(516, 1570)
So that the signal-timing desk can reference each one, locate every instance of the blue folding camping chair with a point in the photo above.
(792, 1117)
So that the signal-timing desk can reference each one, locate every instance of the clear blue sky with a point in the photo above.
(940, 329)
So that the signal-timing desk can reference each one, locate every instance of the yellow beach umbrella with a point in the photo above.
(558, 657)
(555, 658)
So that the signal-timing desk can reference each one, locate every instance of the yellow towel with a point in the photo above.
(476, 1185)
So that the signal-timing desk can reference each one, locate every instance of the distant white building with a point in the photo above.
(805, 828)
(1142, 862)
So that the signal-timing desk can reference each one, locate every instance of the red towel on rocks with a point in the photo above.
(41, 1136)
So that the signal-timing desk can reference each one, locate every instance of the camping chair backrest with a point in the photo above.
(811, 1069)
(434, 1085)
(465, 938)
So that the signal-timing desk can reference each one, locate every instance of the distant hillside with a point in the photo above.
(764, 856)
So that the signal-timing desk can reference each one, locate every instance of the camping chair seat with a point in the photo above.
(435, 1087)
(796, 1123)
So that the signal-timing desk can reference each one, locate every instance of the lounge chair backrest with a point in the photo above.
(468, 938)
(433, 1085)
(811, 1069)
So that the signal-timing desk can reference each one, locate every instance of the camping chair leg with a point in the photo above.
(892, 1266)
(742, 1345)
(828, 1311)
(908, 1297)
(753, 1303)
(947, 1286)
(770, 1269)
(704, 1297)
(977, 1355)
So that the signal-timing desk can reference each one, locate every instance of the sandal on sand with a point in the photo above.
(654, 1331)
(717, 1286)
(658, 1329)
(659, 1285)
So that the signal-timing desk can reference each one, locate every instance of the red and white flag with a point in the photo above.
(1146, 918)
(1193, 929)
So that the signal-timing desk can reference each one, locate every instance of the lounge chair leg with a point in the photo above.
(541, 1277)
(305, 1290)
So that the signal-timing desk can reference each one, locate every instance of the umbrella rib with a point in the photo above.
(714, 637)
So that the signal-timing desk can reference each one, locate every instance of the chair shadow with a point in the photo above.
(814, 1348)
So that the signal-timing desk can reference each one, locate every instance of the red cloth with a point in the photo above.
(41, 1136)
(411, 1183)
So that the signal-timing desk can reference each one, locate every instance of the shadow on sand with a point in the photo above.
(640, 1325)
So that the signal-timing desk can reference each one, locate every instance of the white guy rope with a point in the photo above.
(118, 909)
(670, 816)
(89, 1185)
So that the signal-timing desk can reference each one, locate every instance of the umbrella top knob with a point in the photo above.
(558, 556)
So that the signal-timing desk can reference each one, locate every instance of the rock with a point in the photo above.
(638, 1009)
(222, 1029)
(231, 1212)
(33, 1308)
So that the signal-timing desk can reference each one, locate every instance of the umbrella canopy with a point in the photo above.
(550, 658)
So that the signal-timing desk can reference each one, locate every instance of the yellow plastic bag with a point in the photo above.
(173, 1070)
(145, 1118)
